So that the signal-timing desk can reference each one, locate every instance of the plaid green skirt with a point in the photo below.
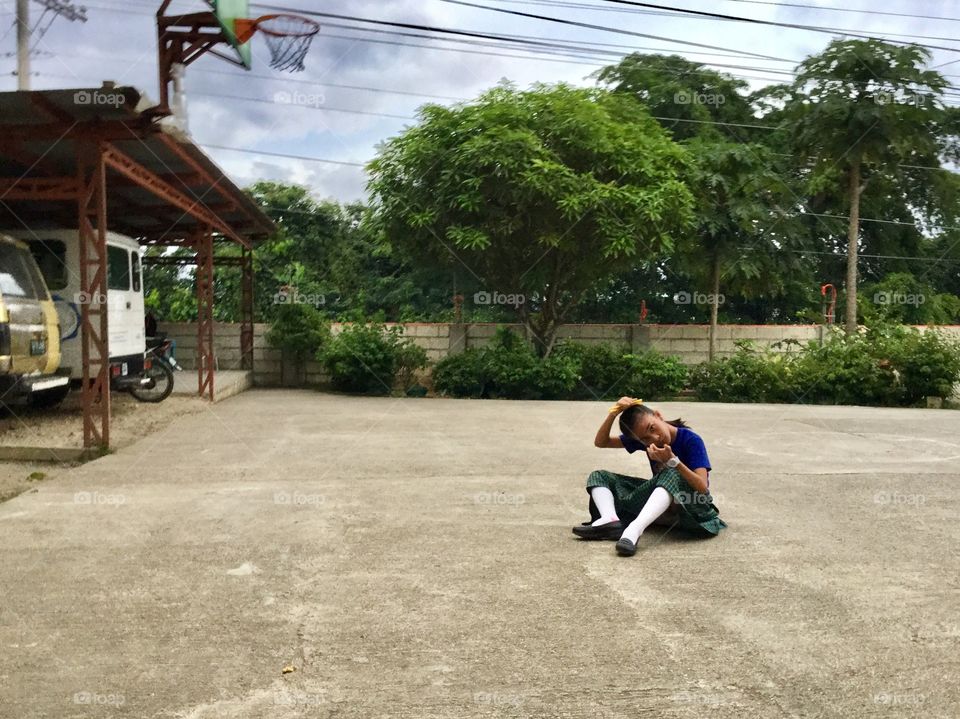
(694, 511)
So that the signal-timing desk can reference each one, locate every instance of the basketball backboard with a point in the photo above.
(227, 13)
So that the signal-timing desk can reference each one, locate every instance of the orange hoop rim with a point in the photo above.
(246, 28)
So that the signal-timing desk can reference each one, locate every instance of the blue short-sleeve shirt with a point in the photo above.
(688, 446)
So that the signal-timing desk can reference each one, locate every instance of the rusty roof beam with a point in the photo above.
(127, 166)
(38, 188)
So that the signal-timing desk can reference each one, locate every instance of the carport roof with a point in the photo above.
(43, 133)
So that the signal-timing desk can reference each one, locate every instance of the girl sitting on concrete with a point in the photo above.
(622, 507)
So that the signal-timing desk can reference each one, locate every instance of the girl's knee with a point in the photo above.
(598, 478)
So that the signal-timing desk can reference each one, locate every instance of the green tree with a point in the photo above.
(686, 97)
(745, 225)
(538, 194)
(865, 115)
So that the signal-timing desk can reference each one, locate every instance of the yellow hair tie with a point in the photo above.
(617, 408)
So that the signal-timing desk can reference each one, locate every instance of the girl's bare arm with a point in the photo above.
(603, 438)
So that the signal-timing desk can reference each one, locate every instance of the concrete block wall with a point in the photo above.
(688, 342)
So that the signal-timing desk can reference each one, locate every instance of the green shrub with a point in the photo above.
(885, 365)
(751, 375)
(299, 330)
(600, 366)
(651, 375)
(461, 375)
(557, 377)
(507, 367)
(367, 358)
(927, 363)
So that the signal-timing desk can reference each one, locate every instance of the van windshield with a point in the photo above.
(18, 274)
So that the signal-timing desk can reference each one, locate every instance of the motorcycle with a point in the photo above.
(155, 382)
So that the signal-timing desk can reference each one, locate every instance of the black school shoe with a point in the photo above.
(610, 530)
(626, 548)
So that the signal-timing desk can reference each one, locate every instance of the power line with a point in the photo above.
(843, 9)
(282, 154)
(771, 23)
(305, 106)
(562, 21)
(545, 46)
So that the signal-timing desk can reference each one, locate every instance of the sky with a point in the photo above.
(300, 114)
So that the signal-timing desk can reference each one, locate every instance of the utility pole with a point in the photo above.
(23, 44)
(58, 8)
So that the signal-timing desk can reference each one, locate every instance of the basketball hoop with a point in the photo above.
(288, 38)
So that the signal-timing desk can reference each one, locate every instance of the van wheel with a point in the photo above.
(49, 398)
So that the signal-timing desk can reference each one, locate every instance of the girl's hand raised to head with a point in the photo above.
(625, 402)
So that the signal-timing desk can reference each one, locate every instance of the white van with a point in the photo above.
(58, 255)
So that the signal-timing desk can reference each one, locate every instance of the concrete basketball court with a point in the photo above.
(295, 554)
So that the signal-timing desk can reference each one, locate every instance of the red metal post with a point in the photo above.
(246, 311)
(204, 279)
(92, 223)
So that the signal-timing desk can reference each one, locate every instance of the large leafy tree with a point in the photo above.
(686, 97)
(539, 193)
(746, 229)
(867, 116)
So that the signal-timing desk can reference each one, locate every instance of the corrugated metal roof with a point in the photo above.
(41, 133)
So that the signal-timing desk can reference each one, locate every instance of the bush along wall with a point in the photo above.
(889, 365)
(509, 368)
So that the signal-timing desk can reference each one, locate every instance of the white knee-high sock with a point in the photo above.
(603, 498)
(658, 503)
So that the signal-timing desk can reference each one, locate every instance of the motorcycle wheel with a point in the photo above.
(160, 386)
